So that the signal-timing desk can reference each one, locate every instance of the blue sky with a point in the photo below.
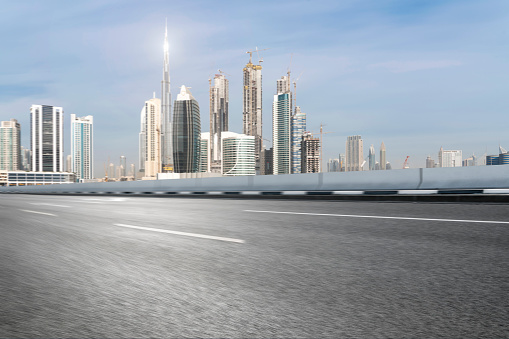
(415, 74)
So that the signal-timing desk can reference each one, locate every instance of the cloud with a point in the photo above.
(410, 66)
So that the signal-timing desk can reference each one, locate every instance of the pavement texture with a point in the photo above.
(115, 267)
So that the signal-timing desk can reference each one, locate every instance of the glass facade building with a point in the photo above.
(10, 149)
(298, 130)
(186, 133)
(82, 144)
(47, 138)
(238, 154)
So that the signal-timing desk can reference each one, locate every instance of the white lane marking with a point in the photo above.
(496, 191)
(104, 199)
(293, 192)
(381, 217)
(417, 192)
(250, 192)
(46, 204)
(196, 235)
(54, 215)
(348, 192)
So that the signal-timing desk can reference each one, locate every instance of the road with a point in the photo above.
(105, 266)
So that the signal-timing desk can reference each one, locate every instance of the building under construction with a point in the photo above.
(310, 152)
(219, 102)
(252, 106)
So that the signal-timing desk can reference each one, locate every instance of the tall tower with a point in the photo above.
(166, 117)
(281, 126)
(371, 158)
(354, 153)
(383, 161)
(252, 106)
(298, 130)
(46, 138)
(186, 132)
(10, 148)
(219, 98)
(152, 143)
(310, 154)
(82, 146)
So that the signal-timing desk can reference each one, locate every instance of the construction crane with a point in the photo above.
(405, 164)
(321, 143)
(221, 72)
(257, 52)
(295, 90)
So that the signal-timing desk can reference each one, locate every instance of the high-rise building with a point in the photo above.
(142, 140)
(47, 138)
(238, 154)
(219, 101)
(267, 162)
(82, 147)
(152, 144)
(10, 146)
(166, 117)
(68, 163)
(298, 130)
(252, 106)
(430, 163)
(472, 161)
(123, 165)
(186, 133)
(383, 160)
(371, 158)
(204, 153)
(333, 165)
(449, 158)
(132, 171)
(354, 153)
(26, 159)
(342, 161)
(281, 126)
(310, 162)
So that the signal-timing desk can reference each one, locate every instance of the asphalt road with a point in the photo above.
(83, 266)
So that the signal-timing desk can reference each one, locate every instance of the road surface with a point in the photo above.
(104, 266)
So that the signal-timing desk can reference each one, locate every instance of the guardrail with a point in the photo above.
(477, 179)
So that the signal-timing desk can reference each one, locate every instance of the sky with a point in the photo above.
(416, 75)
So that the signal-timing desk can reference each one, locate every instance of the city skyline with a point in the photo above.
(436, 85)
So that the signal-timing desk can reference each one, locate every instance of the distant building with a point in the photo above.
(123, 164)
(267, 162)
(430, 163)
(449, 158)
(472, 161)
(354, 153)
(47, 138)
(151, 114)
(82, 147)
(334, 165)
(252, 106)
(205, 154)
(371, 158)
(342, 162)
(310, 147)
(68, 163)
(186, 133)
(26, 159)
(238, 154)
(281, 126)
(10, 146)
(388, 166)
(383, 160)
(19, 178)
(492, 160)
(219, 102)
(298, 129)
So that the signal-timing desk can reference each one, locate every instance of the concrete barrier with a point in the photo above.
(460, 178)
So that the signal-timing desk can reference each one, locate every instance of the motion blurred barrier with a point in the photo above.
(476, 179)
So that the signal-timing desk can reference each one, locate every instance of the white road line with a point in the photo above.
(381, 217)
(196, 235)
(46, 204)
(54, 215)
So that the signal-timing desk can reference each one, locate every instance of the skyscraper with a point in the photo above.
(186, 133)
(205, 153)
(310, 162)
(333, 165)
(298, 130)
(123, 166)
(430, 163)
(383, 161)
(26, 156)
(47, 138)
(238, 154)
(82, 146)
(449, 158)
(166, 118)
(371, 158)
(152, 144)
(354, 153)
(252, 106)
(281, 126)
(219, 100)
(10, 148)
